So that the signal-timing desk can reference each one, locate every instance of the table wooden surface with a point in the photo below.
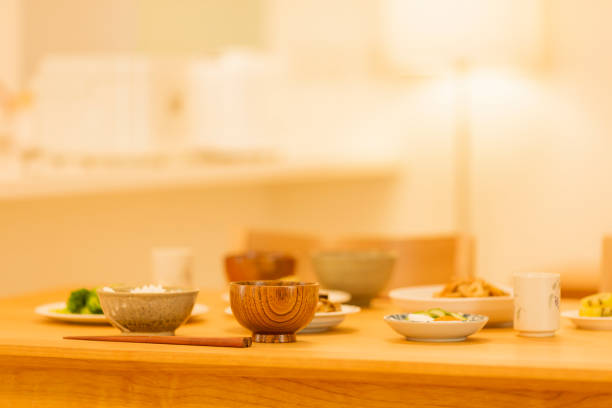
(362, 363)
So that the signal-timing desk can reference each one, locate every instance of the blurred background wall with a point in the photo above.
(10, 36)
(537, 159)
(541, 156)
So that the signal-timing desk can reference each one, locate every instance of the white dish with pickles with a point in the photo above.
(436, 325)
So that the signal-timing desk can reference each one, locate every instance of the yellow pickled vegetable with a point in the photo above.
(598, 305)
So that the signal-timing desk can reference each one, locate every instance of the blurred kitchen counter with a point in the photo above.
(362, 363)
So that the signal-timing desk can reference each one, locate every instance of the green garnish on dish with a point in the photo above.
(82, 301)
(435, 315)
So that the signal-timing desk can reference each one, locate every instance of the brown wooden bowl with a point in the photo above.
(258, 265)
(274, 310)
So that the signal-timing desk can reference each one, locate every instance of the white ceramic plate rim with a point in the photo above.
(47, 310)
(480, 318)
(574, 314)
(346, 310)
(407, 293)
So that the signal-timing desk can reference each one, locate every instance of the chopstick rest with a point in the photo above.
(239, 342)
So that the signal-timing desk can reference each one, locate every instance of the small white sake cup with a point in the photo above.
(536, 304)
(172, 267)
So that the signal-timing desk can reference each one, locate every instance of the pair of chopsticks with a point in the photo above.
(239, 342)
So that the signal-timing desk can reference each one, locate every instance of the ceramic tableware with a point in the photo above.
(258, 265)
(439, 331)
(172, 266)
(363, 274)
(536, 304)
(322, 321)
(499, 309)
(328, 320)
(588, 323)
(147, 313)
(56, 311)
(336, 296)
(274, 310)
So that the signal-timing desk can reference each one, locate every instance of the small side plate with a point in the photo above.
(50, 310)
(322, 321)
(588, 323)
(443, 331)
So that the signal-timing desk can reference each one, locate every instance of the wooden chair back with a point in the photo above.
(605, 282)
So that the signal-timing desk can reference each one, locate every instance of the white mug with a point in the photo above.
(172, 267)
(536, 304)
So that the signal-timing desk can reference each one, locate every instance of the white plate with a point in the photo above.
(499, 309)
(49, 310)
(322, 321)
(335, 296)
(444, 331)
(588, 323)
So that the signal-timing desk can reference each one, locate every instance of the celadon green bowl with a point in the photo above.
(364, 274)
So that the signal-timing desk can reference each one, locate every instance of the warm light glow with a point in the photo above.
(500, 87)
(432, 37)
(129, 124)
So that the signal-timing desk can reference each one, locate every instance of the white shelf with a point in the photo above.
(202, 176)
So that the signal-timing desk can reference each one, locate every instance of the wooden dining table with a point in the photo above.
(361, 363)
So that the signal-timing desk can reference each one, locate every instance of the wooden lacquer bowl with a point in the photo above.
(258, 265)
(274, 310)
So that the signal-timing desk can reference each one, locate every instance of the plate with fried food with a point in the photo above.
(329, 314)
(472, 296)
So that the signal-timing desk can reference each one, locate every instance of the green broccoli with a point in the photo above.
(77, 300)
(93, 303)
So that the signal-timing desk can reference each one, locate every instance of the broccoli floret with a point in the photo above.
(77, 300)
(93, 303)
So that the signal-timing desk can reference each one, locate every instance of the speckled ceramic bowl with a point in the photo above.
(363, 274)
(148, 313)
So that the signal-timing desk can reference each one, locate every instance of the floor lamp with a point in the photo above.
(456, 40)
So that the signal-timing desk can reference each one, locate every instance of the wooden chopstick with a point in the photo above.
(239, 342)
